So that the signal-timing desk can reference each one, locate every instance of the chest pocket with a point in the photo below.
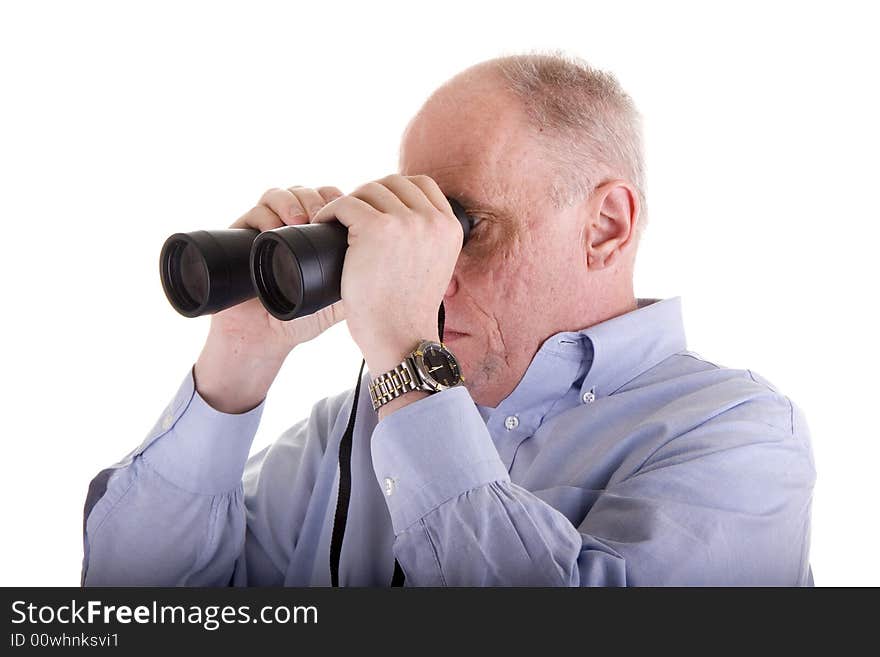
(571, 501)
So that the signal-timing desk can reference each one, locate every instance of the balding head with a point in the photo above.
(586, 124)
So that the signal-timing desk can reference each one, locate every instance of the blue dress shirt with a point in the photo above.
(620, 458)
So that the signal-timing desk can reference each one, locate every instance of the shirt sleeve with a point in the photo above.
(172, 511)
(458, 519)
(726, 503)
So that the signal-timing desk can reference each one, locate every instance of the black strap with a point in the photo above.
(441, 321)
(344, 495)
(398, 578)
(344, 487)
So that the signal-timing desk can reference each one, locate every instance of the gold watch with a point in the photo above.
(430, 367)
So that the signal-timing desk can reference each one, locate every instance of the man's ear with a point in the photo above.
(611, 224)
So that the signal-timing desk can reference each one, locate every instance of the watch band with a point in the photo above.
(393, 384)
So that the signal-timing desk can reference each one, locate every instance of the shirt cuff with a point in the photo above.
(198, 448)
(431, 451)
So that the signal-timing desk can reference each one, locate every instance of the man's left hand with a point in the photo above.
(403, 243)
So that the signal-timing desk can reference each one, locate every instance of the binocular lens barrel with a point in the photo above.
(204, 272)
(295, 270)
(188, 276)
(280, 276)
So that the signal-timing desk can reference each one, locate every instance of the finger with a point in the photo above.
(432, 192)
(309, 199)
(381, 198)
(409, 193)
(335, 312)
(284, 204)
(260, 217)
(348, 210)
(329, 193)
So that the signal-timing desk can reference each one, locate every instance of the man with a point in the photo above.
(586, 446)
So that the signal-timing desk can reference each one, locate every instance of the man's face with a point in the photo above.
(515, 277)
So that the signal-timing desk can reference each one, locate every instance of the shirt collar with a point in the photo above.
(625, 346)
(604, 357)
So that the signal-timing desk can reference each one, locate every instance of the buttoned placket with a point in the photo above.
(551, 374)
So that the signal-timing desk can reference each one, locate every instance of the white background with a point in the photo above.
(124, 122)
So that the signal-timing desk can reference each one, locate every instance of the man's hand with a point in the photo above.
(403, 243)
(246, 345)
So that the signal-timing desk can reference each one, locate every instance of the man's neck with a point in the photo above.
(506, 381)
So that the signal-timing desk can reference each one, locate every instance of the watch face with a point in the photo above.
(440, 365)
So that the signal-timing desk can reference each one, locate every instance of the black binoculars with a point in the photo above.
(295, 270)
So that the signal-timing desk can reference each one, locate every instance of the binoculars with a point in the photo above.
(294, 270)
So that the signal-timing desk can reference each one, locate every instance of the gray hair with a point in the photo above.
(594, 126)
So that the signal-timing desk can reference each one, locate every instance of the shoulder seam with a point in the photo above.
(698, 358)
(670, 356)
(778, 393)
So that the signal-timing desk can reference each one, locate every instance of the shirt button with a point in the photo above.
(388, 486)
(511, 422)
(167, 421)
(589, 397)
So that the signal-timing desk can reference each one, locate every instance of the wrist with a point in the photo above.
(389, 355)
(232, 378)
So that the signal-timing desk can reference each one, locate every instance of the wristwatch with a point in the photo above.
(430, 367)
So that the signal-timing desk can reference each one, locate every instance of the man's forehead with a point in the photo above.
(447, 143)
(470, 156)
(474, 184)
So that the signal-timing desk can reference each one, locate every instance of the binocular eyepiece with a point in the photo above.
(294, 270)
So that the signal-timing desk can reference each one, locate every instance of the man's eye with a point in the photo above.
(475, 221)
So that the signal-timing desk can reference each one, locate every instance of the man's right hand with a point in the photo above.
(246, 346)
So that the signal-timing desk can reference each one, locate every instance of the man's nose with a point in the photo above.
(452, 288)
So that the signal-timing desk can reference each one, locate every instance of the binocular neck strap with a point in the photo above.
(344, 495)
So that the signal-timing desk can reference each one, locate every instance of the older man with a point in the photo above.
(586, 445)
